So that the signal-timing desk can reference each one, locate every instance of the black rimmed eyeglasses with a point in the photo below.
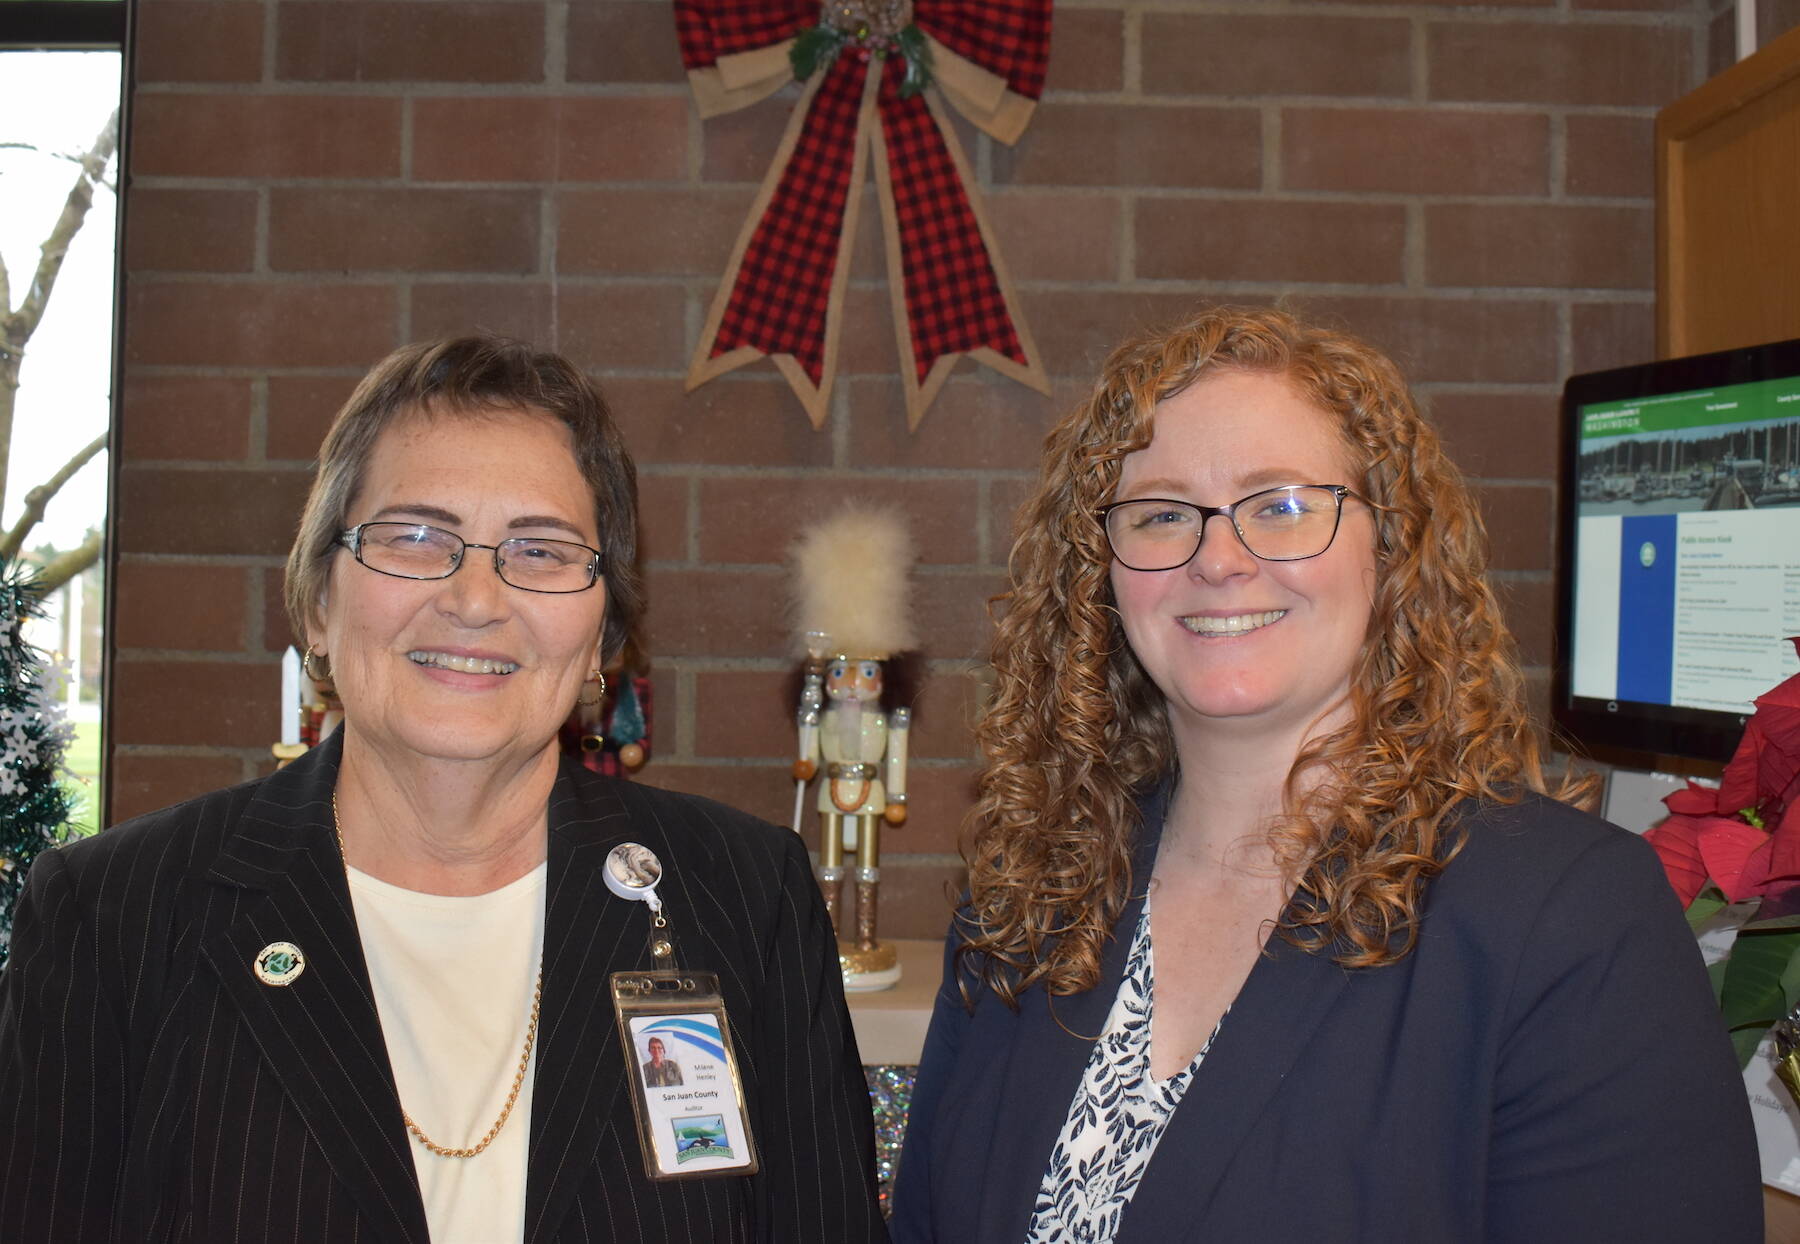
(1287, 524)
(418, 551)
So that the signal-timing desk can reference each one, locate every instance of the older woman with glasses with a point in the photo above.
(1275, 931)
(373, 995)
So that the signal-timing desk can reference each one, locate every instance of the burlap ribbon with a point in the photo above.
(783, 293)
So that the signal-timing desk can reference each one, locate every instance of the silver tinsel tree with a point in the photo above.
(34, 732)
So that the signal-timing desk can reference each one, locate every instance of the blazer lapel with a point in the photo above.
(1286, 997)
(320, 1036)
(579, 1085)
(1056, 1039)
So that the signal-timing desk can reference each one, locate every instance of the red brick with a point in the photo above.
(739, 145)
(483, 138)
(197, 703)
(622, 327)
(277, 633)
(264, 136)
(648, 232)
(979, 421)
(764, 789)
(869, 344)
(1558, 63)
(747, 519)
(1057, 237)
(141, 778)
(623, 42)
(742, 419)
(217, 511)
(944, 715)
(1076, 144)
(185, 605)
(194, 323)
(1539, 245)
(1076, 329)
(1721, 41)
(1530, 606)
(1611, 334)
(1270, 240)
(952, 614)
(300, 410)
(1452, 340)
(1007, 495)
(917, 897)
(416, 41)
(1415, 151)
(1519, 525)
(198, 41)
(1500, 434)
(347, 229)
(1641, 6)
(190, 230)
(525, 310)
(759, 722)
(184, 417)
(1088, 52)
(723, 613)
(1301, 54)
(663, 517)
(1610, 155)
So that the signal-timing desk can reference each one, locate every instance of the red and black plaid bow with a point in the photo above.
(783, 293)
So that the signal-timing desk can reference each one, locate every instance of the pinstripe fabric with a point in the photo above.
(152, 1089)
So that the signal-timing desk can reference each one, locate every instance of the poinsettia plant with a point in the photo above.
(1740, 843)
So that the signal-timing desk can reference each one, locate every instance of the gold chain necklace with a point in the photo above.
(512, 1098)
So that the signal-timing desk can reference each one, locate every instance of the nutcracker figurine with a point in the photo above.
(852, 609)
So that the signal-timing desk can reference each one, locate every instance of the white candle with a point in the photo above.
(290, 696)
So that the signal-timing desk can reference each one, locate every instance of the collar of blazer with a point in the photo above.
(321, 1036)
(1286, 996)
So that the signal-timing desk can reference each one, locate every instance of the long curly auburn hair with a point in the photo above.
(1076, 732)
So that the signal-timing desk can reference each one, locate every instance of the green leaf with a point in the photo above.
(1707, 904)
(1745, 1040)
(1753, 975)
(918, 61)
(814, 48)
(1790, 984)
(1715, 972)
(1772, 923)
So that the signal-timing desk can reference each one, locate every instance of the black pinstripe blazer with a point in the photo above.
(151, 1088)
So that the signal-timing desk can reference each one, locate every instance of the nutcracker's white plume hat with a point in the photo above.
(850, 581)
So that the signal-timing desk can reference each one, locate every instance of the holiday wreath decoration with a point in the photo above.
(876, 75)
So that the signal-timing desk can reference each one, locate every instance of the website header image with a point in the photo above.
(1736, 447)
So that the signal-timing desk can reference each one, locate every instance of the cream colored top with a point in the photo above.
(453, 981)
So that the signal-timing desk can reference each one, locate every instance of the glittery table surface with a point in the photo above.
(890, 1097)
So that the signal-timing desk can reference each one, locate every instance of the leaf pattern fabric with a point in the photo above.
(1116, 1119)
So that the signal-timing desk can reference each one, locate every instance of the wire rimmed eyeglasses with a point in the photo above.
(420, 551)
(1286, 524)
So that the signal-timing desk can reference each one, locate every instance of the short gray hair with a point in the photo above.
(465, 376)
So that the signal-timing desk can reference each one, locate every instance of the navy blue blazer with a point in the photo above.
(152, 1089)
(1548, 1064)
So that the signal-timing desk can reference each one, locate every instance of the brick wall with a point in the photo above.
(313, 183)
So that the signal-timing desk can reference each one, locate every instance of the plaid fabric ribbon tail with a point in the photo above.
(784, 290)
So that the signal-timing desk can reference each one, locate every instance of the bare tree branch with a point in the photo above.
(17, 326)
(65, 566)
(38, 499)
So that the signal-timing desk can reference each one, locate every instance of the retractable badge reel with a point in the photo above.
(687, 1093)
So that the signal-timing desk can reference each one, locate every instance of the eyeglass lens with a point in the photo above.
(415, 551)
(1281, 524)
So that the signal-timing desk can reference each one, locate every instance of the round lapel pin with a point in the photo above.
(632, 872)
(279, 963)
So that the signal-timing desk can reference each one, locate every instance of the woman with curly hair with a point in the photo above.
(1275, 929)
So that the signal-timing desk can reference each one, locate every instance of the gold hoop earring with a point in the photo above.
(599, 692)
(321, 675)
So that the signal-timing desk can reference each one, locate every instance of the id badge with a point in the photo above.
(686, 1090)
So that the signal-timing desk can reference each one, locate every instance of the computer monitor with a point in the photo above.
(1678, 575)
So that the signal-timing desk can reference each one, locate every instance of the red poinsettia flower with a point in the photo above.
(1708, 834)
